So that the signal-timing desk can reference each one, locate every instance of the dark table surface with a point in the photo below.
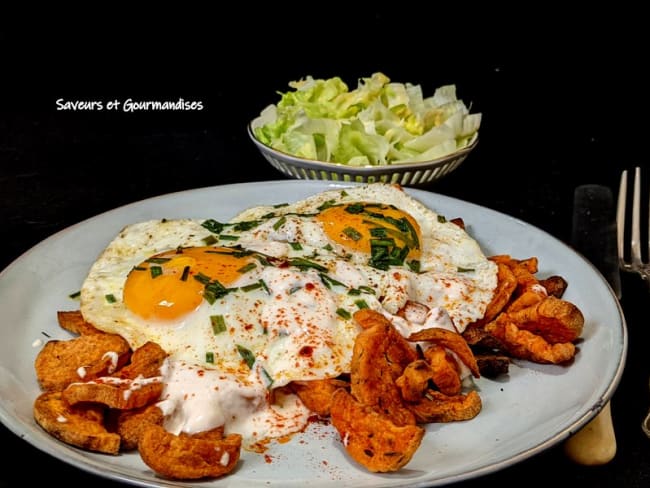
(559, 111)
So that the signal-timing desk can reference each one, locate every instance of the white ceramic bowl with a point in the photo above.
(406, 174)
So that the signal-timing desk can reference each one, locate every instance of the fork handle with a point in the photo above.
(595, 443)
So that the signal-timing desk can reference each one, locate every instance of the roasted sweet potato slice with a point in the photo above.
(452, 341)
(186, 457)
(371, 438)
(379, 357)
(438, 407)
(123, 394)
(317, 394)
(83, 358)
(145, 361)
(78, 426)
(130, 424)
(73, 321)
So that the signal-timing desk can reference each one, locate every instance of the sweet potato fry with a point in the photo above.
(379, 357)
(73, 321)
(83, 358)
(317, 394)
(78, 426)
(438, 407)
(186, 457)
(371, 438)
(452, 341)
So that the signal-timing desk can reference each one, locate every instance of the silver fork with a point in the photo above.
(635, 263)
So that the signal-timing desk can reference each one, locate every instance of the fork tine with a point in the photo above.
(620, 220)
(636, 219)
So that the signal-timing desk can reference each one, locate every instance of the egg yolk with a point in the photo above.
(171, 284)
(368, 227)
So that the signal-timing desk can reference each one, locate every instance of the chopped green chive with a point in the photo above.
(247, 355)
(353, 234)
(74, 295)
(279, 223)
(354, 291)
(296, 246)
(213, 226)
(414, 265)
(267, 376)
(246, 268)
(156, 271)
(157, 260)
(110, 298)
(442, 219)
(328, 247)
(464, 270)
(186, 273)
(278, 205)
(294, 289)
(208, 241)
(218, 324)
(328, 281)
(228, 237)
(209, 357)
(138, 268)
(361, 303)
(343, 313)
(303, 264)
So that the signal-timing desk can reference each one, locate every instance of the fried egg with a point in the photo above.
(268, 297)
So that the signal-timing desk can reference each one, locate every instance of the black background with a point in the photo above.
(563, 98)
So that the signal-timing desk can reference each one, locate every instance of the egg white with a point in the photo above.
(299, 326)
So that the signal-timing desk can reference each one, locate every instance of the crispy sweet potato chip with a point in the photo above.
(367, 318)
(186, 457)
(555, 285)
(371, 438)
(444, 370)
(452, 341)
(438, 407)
(379, 357)
(554, 319)
(83, 358)
(414, 380)
(317, 394)
(78, 426)
(523, 344)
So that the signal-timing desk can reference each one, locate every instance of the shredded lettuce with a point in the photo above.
(378, 123)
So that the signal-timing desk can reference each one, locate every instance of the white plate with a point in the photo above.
(532, 409)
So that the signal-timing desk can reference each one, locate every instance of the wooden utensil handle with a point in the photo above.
(595, 443)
